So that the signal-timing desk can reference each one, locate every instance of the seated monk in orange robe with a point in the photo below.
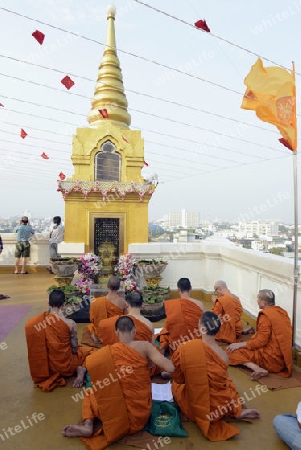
(270, 349)
(182, 318)
(144, 328)
(120, 396)
(105, 307)
(228, 307)
(201, 386)
(53, 351)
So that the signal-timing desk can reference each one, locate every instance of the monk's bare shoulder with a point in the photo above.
(198, 303)
(143, 347)
(144, 320)
(221, 353)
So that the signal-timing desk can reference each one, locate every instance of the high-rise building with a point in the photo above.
(184, 219)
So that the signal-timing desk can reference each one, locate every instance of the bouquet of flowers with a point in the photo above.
(89, 265)
(130, 286)
(83, 285)
(125, 270)
(126, 266)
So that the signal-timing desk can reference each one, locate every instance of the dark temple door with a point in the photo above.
(106, 230)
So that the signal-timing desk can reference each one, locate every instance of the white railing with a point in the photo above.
(245, 271)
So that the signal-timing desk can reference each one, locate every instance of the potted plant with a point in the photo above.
(77, 303)
(63, 267)
(151, 270)
(153, 302)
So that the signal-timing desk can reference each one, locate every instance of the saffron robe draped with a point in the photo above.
(50, 356)
(203, 390)
(101, 308)
(181, 323)
(120, 396)
(229, 309)
(107, 334)
(271, 346)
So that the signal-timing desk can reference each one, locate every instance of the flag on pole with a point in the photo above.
(271, 93)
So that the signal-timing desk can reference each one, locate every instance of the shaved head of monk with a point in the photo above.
(124, 324)
(134, 299)
(184, 285)
(210, 323)
(114, 283)
(267, 296)
(57, 298)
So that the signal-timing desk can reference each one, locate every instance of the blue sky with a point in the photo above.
(246, 174)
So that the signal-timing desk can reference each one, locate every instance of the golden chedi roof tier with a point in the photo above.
(109, 96)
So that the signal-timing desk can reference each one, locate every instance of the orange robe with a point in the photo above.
(181, 323)
(229, 310)
(50, 356)
(101, 308)
(271, 346)
(107, 334)
(203, 390)
(120, 396)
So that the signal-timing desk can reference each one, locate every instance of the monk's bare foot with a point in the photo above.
(78, 431)
(259, 373)
(248, 330)
(79, 380)
(248, 414)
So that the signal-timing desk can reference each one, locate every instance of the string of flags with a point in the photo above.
(270, 92)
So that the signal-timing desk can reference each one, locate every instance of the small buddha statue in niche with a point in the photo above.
(107, 251)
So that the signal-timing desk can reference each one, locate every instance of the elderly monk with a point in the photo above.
(228, 307)
(104, 307)
(201, 386)
(144, 328)
(53, 351)
(182, 317)
(270, 349)
(120, 396)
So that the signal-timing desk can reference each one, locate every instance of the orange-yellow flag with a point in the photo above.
(271, 93)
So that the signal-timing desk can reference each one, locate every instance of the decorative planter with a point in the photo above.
(153, 302)
(64, 269)
(153, 311)
(151, 271)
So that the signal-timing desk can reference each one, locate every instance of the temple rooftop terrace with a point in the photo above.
(245, 271)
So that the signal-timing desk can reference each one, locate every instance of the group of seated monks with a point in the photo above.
(127, 355)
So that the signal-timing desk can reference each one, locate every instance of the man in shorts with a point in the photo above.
(24, 231)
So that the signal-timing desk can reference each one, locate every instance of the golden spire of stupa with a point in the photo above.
(109, 91)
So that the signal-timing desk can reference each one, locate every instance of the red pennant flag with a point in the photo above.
(145, 163)
(104, 113)
(39, 36)
(1, 105)
(23, 134)
(62, 176)
(44, 156)
(125, 139)
(67, 82)
(285, 143)
(203, 25)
